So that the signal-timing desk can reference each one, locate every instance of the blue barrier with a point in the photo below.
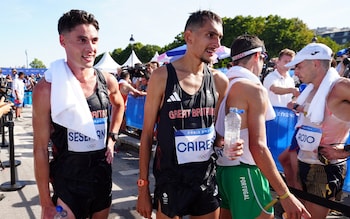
(346, 186)
(134, 111)
(279, 132)
(27, 101)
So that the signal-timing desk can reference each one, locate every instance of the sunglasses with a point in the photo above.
(264, 56)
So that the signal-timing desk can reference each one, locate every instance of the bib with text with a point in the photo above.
(309, 138)
(78, 142)
(194, 145)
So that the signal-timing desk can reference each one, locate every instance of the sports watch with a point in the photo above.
(114, 136)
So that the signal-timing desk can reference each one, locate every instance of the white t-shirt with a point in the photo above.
(19, 86)
(275, 78)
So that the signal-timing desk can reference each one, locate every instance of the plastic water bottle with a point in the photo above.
(232, 130)
(61, 213)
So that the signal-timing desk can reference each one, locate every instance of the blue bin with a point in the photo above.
(27, 101)
(346, 186)
(279, 132)
(134, 111)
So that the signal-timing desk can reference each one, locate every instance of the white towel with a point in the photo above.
(68, 103)
(240, 72)
(318, 103)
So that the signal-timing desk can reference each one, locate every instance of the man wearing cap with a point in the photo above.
(244, 183)
(325, 125)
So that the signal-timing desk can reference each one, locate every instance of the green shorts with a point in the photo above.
(243, 187)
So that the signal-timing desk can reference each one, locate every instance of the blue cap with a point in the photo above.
(59, 208)
(342, 52)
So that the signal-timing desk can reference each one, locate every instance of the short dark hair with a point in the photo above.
(199, 18)
(73, 18)
(244, 43)
(124, 74)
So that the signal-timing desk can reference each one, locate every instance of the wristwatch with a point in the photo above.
(295, 106)
(142, 182)
(114, 136)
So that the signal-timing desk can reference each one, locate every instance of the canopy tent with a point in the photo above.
(132, 60)
(155, 57)
(107, 63)
(163, 58)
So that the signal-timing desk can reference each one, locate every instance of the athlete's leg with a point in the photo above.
(70, 214)
(212, 215)
(101, 214)
(225, 213)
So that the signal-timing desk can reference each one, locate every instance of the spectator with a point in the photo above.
(18, 94)
(126, 88)
(144, 82)
(280, 85)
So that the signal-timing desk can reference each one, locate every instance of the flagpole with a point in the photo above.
(26, 57)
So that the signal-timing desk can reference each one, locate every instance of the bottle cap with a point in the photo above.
(59, 208)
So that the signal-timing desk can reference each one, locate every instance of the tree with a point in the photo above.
(36, 63)
(276, 32)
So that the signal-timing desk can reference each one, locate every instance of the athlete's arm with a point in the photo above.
(256, 99)
(116, 114)
(41, 121)
(154, 98)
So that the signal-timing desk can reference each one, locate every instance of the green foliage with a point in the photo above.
(36, 63)
(276, 32)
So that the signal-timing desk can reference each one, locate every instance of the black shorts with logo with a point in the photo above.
(179, 199)
(83, 182)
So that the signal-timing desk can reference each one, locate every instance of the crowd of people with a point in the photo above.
(187, 100)
(14, 86)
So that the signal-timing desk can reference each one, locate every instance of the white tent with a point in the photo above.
(107, 63)
(132, 60)
(155, 57)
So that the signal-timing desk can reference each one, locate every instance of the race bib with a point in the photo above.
(309, 138)
(194, 145)
(78, 142)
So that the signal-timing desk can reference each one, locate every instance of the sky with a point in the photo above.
(28, 28)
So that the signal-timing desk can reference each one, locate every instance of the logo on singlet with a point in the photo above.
(173, 98)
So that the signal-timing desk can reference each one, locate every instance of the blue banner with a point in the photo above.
(27, 71)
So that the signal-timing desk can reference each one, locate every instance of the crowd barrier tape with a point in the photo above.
(134, 111)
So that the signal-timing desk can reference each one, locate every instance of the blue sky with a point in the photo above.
(31, 25)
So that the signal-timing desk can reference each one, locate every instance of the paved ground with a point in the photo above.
(24, 202)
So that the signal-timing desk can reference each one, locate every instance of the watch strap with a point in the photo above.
(113, 136)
